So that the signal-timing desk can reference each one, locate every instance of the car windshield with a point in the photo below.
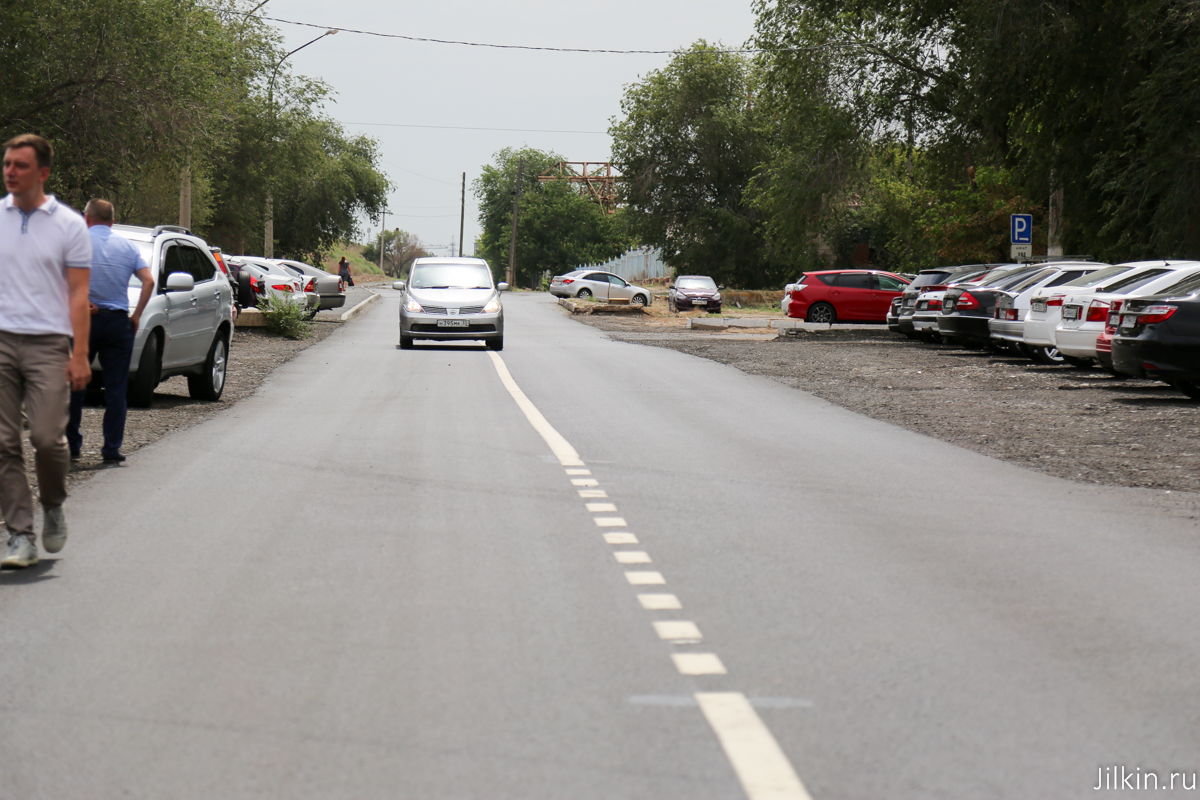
(1099, 276)
(695, 283)
(451, 276)
(1185, 286)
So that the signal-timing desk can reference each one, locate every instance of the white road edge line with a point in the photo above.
(761, 766)
(562, 449)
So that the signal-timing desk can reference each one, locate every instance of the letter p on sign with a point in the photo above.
(1021, 229)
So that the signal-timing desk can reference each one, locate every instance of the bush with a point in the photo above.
(285, 317)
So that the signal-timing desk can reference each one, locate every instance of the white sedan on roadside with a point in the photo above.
(1007, 326)
(1084, 312)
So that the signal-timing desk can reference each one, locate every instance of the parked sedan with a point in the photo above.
(259, 278)
(856, 295)
(930, 280)
(330, 289)
(585, 283)
(1159, 338)
(690, 292)
(1014, 302)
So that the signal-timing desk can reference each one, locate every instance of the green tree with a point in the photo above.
(558, 229)
(688, 146)
(400, 249)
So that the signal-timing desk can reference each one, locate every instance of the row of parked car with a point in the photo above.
(187, 326)
(1139, 319)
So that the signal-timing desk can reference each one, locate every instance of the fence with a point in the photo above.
(640, 264)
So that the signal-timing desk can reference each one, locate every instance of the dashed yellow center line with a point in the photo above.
(760, 764)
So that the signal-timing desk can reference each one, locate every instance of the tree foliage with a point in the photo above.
(558, 229)
(400, 249)
(132, 92)
(688, 146)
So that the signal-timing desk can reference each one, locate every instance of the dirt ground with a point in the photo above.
(1083, 425)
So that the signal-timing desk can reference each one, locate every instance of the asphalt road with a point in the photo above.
(376, 579)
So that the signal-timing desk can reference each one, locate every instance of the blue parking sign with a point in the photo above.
(1021, 229)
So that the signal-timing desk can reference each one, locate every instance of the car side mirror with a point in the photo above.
(398, 285)
(501, 287)
(720, 287)
(671, 286)
(180, 282)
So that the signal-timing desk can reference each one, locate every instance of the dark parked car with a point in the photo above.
(857, 295)
(1159, 338)
(968, 307)
(930, 280)
(690, 292)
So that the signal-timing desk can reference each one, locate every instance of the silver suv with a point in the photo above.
(187, 325)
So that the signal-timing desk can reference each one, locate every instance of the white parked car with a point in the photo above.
(258, 278)
(1007, 326)
(1084, 313)
(187, 325)
(1045, 308)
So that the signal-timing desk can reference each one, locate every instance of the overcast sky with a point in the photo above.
(384, 82)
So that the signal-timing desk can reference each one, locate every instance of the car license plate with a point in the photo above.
(1114, 320)
(698, 302)
(949, 306)
(1038, 306)
(452, 323)
(1070, 312)
(1128, 322)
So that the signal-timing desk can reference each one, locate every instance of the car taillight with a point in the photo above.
(341, 285)
(312, 285)
(1097, 311)
(966, 302)
(283, 287)
(1154, 314)
(567, 280)
(935, 305)
(1057, 300)
(256, 286)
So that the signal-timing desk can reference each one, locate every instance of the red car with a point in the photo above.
(858, 295)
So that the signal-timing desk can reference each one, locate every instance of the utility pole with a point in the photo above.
(512, 241)
(185, 198)
(382, 241)
(462, 215)
(1054, 226)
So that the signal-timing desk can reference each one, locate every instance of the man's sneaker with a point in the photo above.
(54, 534)
(114, 458)
(22, 552)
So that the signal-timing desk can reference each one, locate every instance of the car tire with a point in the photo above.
(142, 383)
(1190, 388)
(821, 313)
(496, 343)
(209, 384)
(713, 310)
(638, 300)
(1079, 363)
(246, 298)
(584, 294)
(1048, 356)
(406, 342)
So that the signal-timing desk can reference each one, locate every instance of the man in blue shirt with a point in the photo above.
(114, 261)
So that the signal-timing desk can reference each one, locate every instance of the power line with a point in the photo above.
(531, 47)
(419, 175)
(464, 128)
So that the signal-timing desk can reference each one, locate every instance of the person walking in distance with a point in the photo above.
(344, 272)
(114, 261)
(45, 258)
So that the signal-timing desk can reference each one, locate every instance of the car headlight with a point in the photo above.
(493, 305)
(716, 296)
(412, 306)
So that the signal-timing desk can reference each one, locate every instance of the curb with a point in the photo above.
(699, 323)
(358, 309)
(576, 307)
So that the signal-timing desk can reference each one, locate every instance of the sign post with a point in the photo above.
(1020, 230)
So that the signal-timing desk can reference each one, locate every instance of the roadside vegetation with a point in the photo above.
(285, 318)
(139, 96)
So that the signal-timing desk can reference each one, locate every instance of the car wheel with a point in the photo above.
(638, 300)
(142, 382)
(406, 342)
(495, 344)
(1079, 363)
(822, 313)
(584, 294)
(1048, 356)
(714, 309)
(246, 298)
(1190, 388)
(209, 384)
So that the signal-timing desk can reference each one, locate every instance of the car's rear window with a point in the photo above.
(1097, 277)
(929, 279)
(1020, 284)
(450, 276)
(1185, 286)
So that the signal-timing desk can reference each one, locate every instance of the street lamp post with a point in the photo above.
(269, 227)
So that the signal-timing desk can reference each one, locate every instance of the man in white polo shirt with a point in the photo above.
(45, 256)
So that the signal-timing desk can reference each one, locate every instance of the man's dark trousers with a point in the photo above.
(112, 341)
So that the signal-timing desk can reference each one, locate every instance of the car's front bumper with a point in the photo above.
(425, 326)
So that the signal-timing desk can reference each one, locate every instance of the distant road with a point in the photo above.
(383, 577)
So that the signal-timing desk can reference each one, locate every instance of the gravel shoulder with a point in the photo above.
(1082, 425)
